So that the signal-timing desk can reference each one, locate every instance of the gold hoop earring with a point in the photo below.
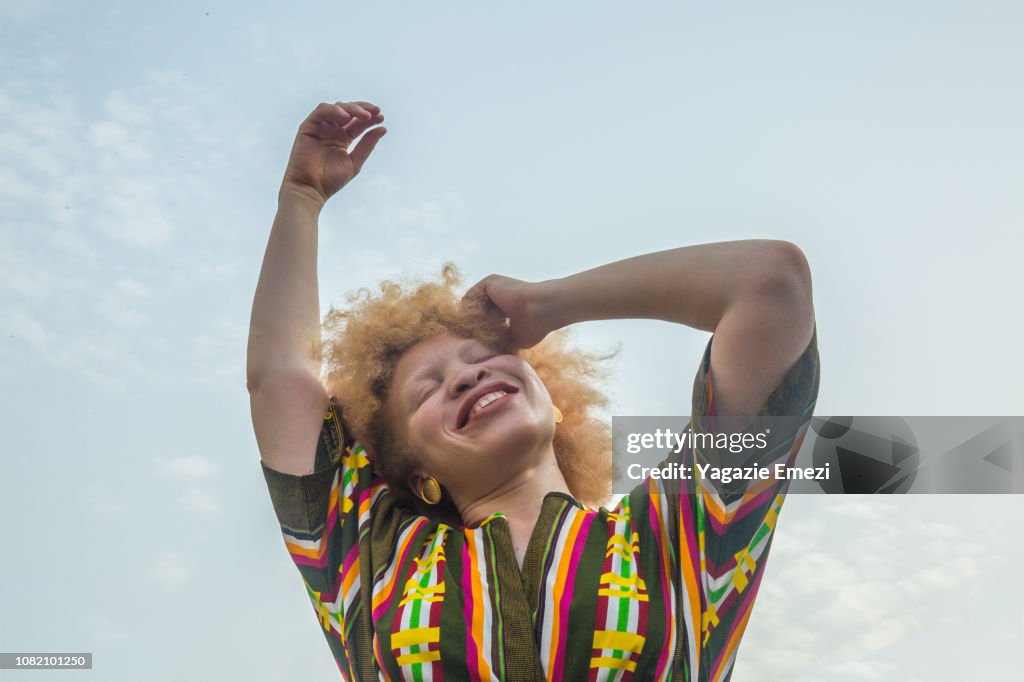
(558, 415)
(430, 491)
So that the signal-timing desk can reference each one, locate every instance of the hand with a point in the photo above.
(520, 303)
(321, 163)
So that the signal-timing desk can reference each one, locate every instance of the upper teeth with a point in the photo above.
(487, 400)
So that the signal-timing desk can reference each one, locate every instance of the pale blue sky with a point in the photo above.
(140, 152)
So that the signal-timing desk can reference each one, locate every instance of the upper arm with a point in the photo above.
(761, 336)
(288, 407)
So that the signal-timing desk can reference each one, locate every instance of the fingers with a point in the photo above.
(479, 298)
(364, 115)
(365, 147)
(369, 106)
(330, 114)
(356, 110)
(343, 114)
(342, 123)
(358, 126)
(477, 293)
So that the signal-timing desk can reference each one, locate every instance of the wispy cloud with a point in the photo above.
(188, 467)
(861, 670)
(91, 194)
(103, 500)
(200, 500)
(168, 569)
(206, 269)
(121, 303)
(104, 630)
(219, 354)
(826, 609)
(385, 234)
(198, 495)
(101, 355)
(132, 212)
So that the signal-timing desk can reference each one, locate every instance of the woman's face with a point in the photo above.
(471, 416)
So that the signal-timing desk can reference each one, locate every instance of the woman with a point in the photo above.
(455, 545)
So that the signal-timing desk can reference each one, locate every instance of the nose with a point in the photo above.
(468, 377)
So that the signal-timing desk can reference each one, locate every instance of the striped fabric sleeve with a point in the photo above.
(320, 516)
(723, 533)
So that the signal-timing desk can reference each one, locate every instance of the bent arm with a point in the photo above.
(755, 295)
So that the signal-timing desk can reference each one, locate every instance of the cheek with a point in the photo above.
(423, 430)
(527, 371)
(539, 389)
(402, 431)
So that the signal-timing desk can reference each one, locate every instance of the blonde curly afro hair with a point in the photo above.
(363, 342)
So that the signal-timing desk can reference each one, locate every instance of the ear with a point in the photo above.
(415, 482)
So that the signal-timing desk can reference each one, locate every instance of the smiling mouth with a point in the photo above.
(478, 401)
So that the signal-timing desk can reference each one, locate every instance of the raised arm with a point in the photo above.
(754, 294)
(286, 396)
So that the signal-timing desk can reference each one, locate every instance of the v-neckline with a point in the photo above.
(554, 503)
(521, 586)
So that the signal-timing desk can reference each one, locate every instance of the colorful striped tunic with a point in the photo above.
(659, 588)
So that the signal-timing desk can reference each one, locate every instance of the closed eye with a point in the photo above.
(427, 391)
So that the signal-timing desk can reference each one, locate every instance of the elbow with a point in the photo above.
(786, 273)
(252, 380)
(787, 262)
(779, 289)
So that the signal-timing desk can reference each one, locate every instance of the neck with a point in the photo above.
(518, 498)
